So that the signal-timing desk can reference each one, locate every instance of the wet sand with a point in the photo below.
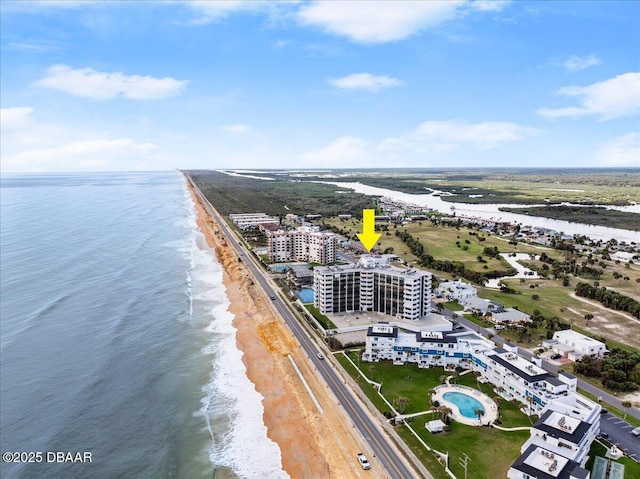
(312, 445)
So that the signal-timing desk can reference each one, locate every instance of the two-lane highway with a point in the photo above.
(361, 419)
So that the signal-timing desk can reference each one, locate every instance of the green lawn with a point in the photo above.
(414, 383)
(322, 319)
(453, 306)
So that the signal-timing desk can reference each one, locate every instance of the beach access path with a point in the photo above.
(312, 444)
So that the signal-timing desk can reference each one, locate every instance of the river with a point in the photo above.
(492, 212)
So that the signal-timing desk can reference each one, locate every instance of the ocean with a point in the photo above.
(115, 336)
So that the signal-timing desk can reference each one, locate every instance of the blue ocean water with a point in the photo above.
(115, 339)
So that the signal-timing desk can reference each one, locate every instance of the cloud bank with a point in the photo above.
(89, 83)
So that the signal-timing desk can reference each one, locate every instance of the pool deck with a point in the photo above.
(490, 408)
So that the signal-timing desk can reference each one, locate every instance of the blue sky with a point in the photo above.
(160, 85)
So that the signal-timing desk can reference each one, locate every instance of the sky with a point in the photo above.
(159, 85)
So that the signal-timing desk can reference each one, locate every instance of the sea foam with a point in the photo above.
(232, 409)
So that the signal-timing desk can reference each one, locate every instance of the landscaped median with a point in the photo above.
(408, 389)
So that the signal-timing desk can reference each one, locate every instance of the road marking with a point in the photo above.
(627, 426)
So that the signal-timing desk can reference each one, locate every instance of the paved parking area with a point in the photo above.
(619, 432)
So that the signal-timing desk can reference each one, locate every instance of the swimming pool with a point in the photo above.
(466, 404)
(306, 295)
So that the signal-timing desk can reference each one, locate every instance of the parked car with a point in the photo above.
(556, 356)
(603, 435)
(364, 462)
(604, 411)
(636, 432)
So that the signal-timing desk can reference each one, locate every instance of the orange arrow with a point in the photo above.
(368, 237)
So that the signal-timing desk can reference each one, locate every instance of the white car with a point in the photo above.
(636, 431)
(364, 462)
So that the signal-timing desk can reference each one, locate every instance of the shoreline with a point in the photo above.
(312, 445)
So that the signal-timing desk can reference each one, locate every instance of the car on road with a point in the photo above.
(556, 356)
(636, 432)
(364, 462)
(273, 298)
(320, 356)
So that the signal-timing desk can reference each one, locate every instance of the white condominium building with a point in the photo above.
(303, 244)
(576, 345)
(373, 285)
(426, 348)
(560, 440)
(456, 290)
(252, 220)
(517, 379)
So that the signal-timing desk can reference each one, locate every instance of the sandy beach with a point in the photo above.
(312, 445)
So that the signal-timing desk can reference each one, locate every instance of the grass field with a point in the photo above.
(440, 242)
(555, 299)
(414, 383)
(515, 186)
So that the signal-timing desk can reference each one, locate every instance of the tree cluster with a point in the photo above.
(610, 299)
(620, 371)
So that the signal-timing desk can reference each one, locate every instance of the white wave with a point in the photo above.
(231, 406)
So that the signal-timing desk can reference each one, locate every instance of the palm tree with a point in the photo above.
(445, 411)
(498, 400)
(433, 410)
(479, 412)
(401, 404)
(625, 405)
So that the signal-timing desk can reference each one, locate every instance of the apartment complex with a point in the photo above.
(425, 348)
(373, 285)
(560, 440)
(515, 378)
(252, 220)
(303, 244)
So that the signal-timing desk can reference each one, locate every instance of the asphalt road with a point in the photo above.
(370, 431)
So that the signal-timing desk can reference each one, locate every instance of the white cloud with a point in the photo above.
(211, 11)
(489, 5)
(621, 151)
(376, 21)
(17, 117)
(77, 155)
(364, 81)
(575, 63)
(343, 152)
(449, 135)
(236, 128)
(609, 99)
(89, 83)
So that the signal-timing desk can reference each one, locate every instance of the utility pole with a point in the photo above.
(464, 462)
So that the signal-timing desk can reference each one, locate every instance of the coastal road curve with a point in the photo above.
(385, 452)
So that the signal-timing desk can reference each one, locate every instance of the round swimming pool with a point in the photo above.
(465, 403)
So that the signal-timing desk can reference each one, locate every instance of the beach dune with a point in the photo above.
(312, 445)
